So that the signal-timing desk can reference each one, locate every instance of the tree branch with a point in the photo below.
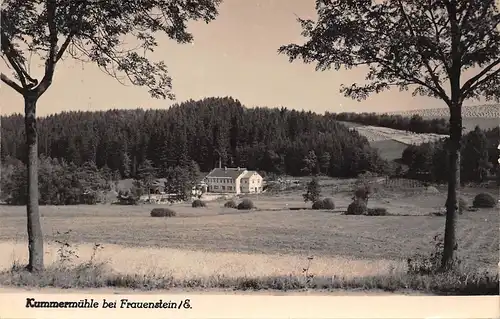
(435, 80)
(12, 84)
(50, 62)
(468, 85)
(479, 83)
(9, 53)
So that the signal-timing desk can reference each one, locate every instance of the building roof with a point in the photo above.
(248, 174)
(227, 172)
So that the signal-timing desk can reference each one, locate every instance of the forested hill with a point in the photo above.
(272, 140)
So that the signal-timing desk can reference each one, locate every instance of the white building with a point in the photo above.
(233, 180)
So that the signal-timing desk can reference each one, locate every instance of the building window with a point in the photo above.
(229, 188)
(223, 188)
(216, 187)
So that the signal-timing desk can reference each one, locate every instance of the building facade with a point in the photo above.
(233, 181)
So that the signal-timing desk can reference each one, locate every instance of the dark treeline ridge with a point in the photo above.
(416, 123)
(479, 158)
(270, 140)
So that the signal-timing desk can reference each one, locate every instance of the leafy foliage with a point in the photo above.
(230, 204)
(479, 155)
(246, 204)
(363, 192)
(406, 43)
(97, 32)
(180, 180)
(60, 183)
(313, 191)
(325, 203)
(357, 207)
(198, 203)
(484, 200)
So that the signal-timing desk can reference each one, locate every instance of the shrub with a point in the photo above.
(462, 205)
(328, 203)
(325, 203)
(245, 204)
(230, 204)
(162, 212)
(484, 200)
(363, 193)
(377, 211)
(357, 207)
(313, 191)
(198, 203)
(317, 204)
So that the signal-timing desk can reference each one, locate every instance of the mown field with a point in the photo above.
(272, 240)
(391, 143)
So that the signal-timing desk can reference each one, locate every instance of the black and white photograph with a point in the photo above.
(320, 147)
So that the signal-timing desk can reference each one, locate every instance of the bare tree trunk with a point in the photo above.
(450, 242)
(35, 235)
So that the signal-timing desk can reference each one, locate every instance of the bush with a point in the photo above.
(328, 203)
(230, 204)
(357, 207)
(245, 204)
(313, 191)
(484, 200)
(198, 203)
(462, 205)
(363, 193)
(325, 203)
(377, 211)
(317, 204)
(162, 212)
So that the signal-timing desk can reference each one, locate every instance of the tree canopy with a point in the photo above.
(99, 32)
(406, 44)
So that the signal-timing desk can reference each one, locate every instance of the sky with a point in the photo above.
(235, 55)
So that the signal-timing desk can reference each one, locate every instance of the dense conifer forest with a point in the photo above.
(271, 140)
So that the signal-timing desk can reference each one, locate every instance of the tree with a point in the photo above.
(413, 43)
(310, 163)
(146, 174)
(313, 191)
(94, 32)
(324, 161)
(182, 179)
(475, 163)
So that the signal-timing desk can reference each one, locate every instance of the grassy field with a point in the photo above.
(391, 142)
(270, 241)
(389, 149)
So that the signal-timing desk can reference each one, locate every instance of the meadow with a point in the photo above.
(391, 142)
(272, 240)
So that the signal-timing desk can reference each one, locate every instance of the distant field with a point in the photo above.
(480, 111)
(484, 116)
(389, 149)
(391, 142)
(272, 240)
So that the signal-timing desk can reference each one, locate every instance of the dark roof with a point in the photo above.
(226, 172)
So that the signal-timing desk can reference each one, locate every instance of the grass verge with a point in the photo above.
(91, 275)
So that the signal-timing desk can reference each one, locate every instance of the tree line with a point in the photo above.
(479, 158)
(280, 141)
(415, 124)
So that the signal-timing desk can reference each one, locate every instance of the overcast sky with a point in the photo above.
(236, 55)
